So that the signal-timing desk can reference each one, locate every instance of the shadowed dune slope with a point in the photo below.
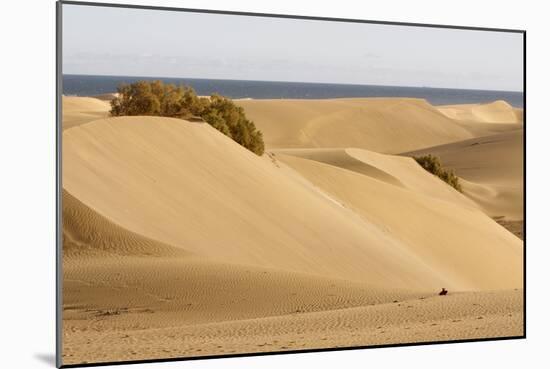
(86, 233)
(463, 242)
(397, 170)
(383, 125)
(491, 169)
(79, 110)
(187, 185)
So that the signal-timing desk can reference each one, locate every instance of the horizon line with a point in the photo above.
(285, 81)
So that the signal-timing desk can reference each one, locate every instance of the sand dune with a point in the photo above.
(491, 169)
(109, 258)
(179, 242)
(80, 110)
(397, 170)
(153, 175)
(495, 112)
(520, 115)
(458, 241)
(124, 307)
(485, 119)
(120, 285)
(382, 125)
(88, 234)
(176, 181)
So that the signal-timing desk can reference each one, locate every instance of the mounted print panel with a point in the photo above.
(235, 184)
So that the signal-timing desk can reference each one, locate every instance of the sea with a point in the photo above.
(87, 85)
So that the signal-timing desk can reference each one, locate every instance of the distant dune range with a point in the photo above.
(482, 143)
(381, 125)
(179, 242)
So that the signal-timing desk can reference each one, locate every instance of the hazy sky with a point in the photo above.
(130, 42)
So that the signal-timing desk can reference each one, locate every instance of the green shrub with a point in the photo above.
(432, 164)
(168, 100)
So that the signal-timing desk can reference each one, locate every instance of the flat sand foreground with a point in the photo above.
(178, 242)
(136, 334)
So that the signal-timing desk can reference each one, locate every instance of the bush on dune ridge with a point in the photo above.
(167, 100)
(432, 164)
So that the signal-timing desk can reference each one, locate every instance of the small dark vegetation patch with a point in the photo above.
(432, 164)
